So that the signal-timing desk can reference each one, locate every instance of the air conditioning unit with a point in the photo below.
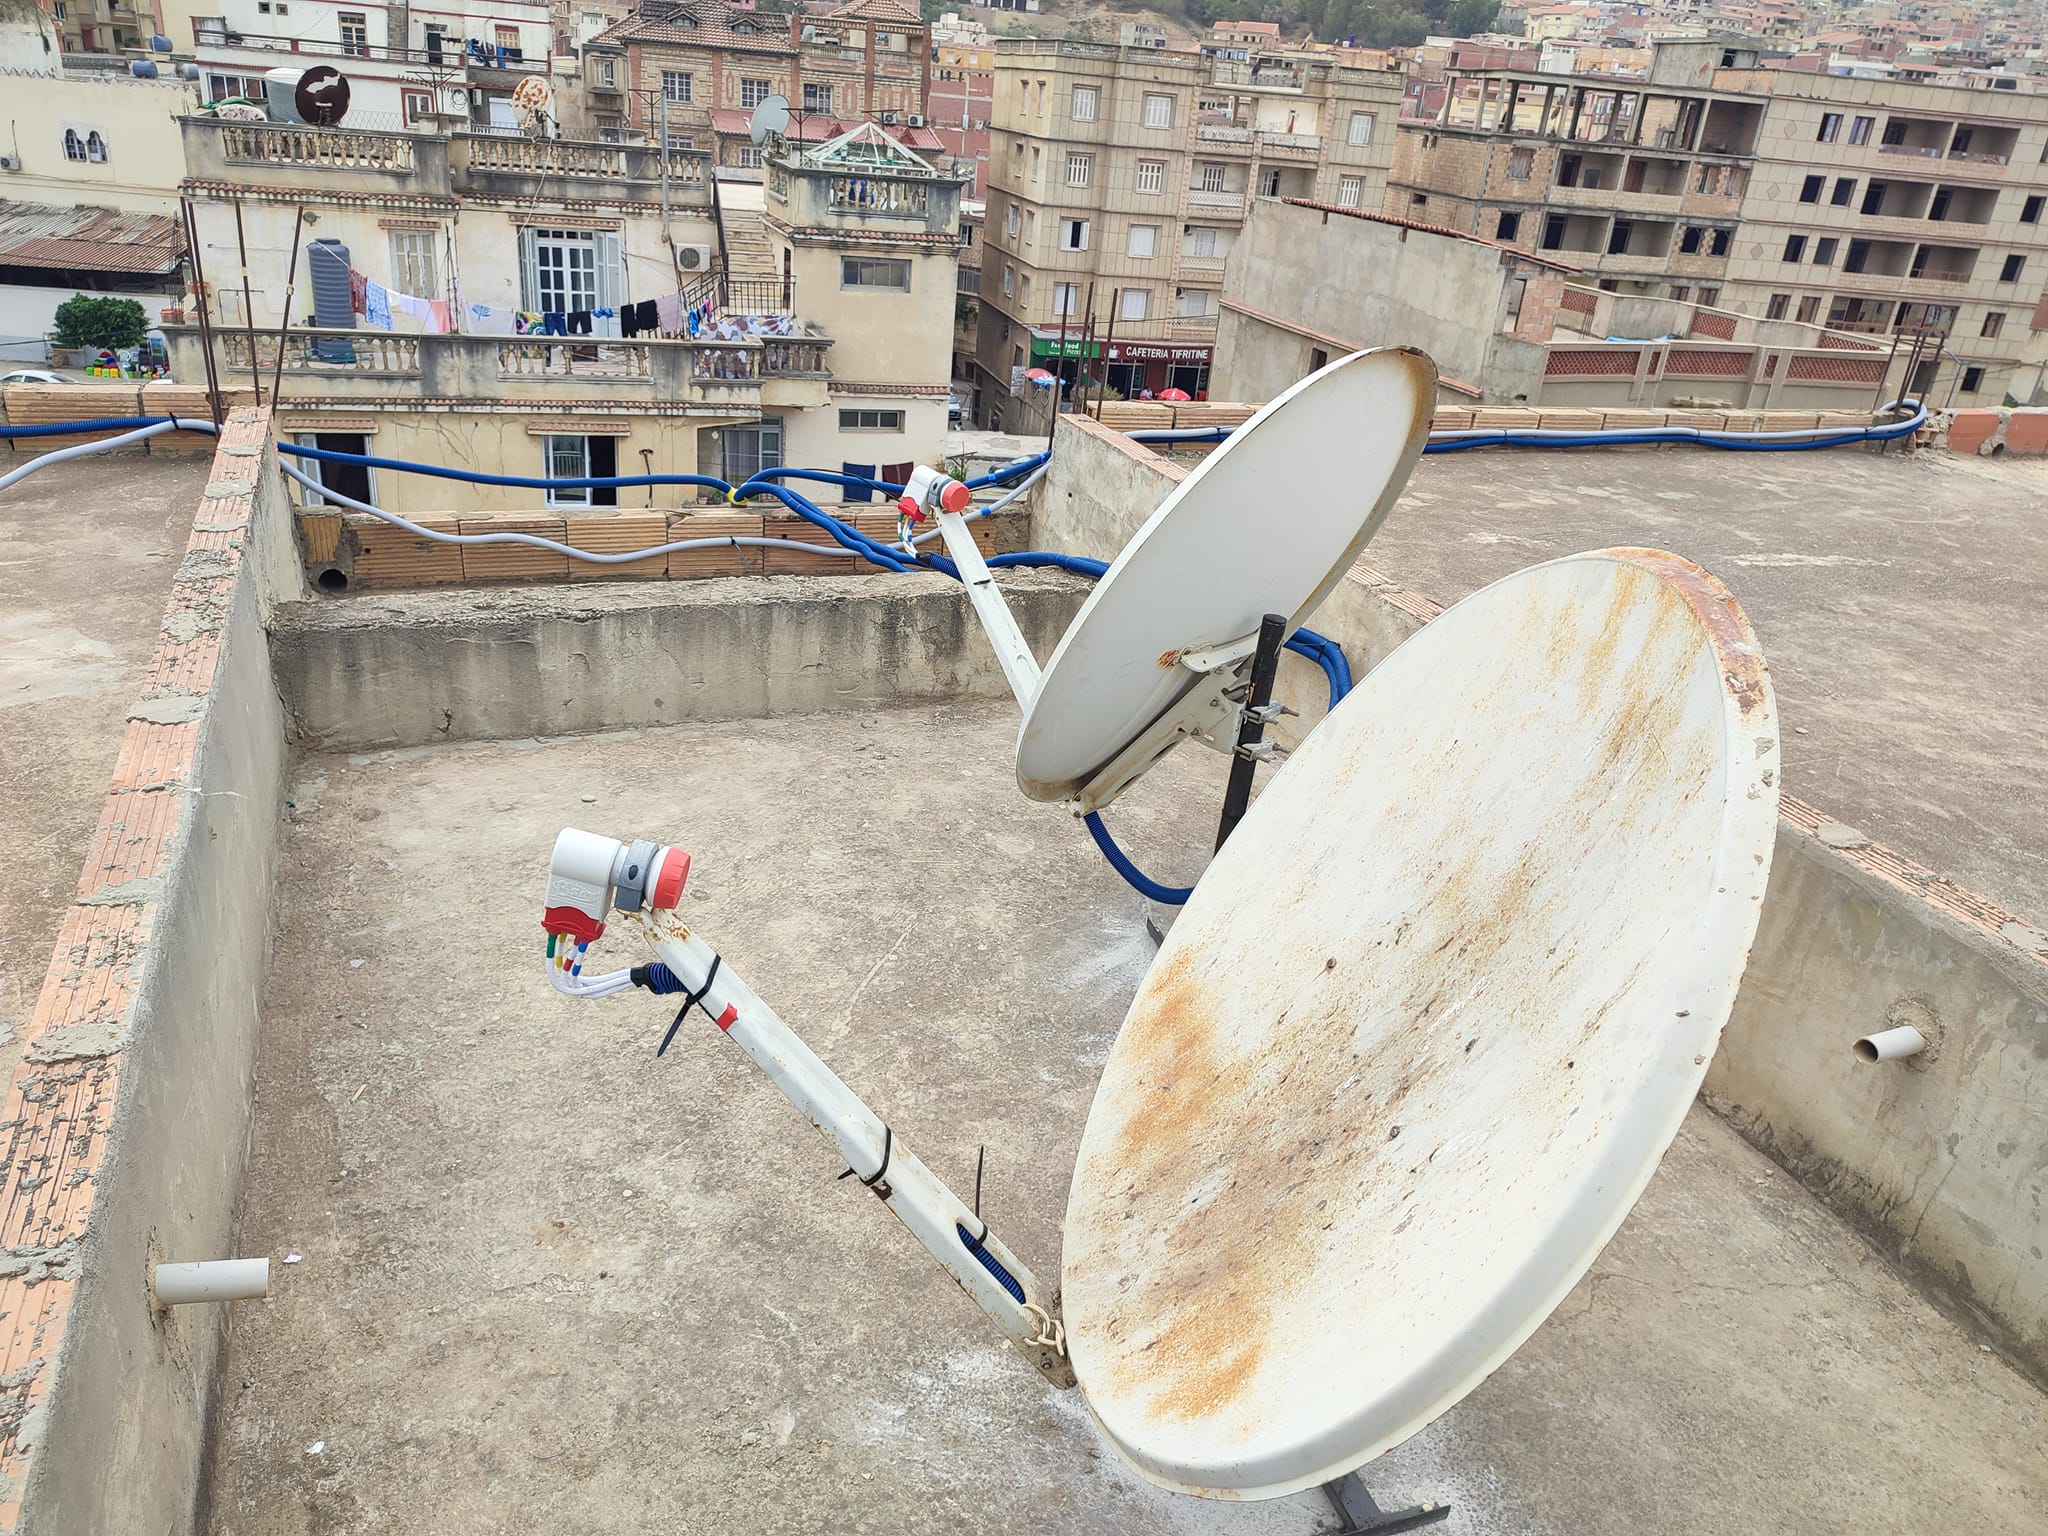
(915, 121)
(10, 162)
(693, 258)
(888, 119)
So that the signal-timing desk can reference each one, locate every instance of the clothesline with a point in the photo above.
(667, 316)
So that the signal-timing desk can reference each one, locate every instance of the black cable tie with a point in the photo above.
(689, 1002)
(888, 1146)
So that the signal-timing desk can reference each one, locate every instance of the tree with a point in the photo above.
(112, 323)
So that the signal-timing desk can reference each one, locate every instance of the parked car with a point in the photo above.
(34, 376)
(952, 410)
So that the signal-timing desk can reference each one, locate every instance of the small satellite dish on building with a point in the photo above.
(321, 96)
(770, 120)
(533, 94)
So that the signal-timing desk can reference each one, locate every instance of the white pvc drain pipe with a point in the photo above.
(1891, 1044)
(211, 1280)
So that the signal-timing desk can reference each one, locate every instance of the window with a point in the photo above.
(1845, 188)
(680, 138)
(1065, 298)
(1681, 293)
(607, 69)
(1811, 190)
(1030, 226)
(1858, 256)
(571, 269)
(2030, 211)
(676, 85)
(1809, 309)
(2014, 265)
(751, 157)
(1723, 238)
(1073, 234)
(1993, 323)
(74, 144)
(507, 39)
(1318, 359)
(1080, 169)
(1775, 310)
(746, 451)
(1143, 242)
(1361, 128)
(1859, 130)
(1024, 290)
(353, 480)
(1418, 199)
(1199, 242)
(412, 262)
(1507, 225)
(1830, 125)
(1082, 108)
(355, 32)
(1710, 296)
(1037, 164)
(1010, 221)
(609, 126)
(817, 98)
(1135, 304)
(1689, 240)
(1795, 247)
(753, 93)
(1873, 197)
(1824, 252)
(415, 104)
(1211, 177)
(1269, 183)
(1350, 189)
(1520, 163)
(1151, 177)
(1158, 111)
(576, 457)
(891, 272)
(871, 421)
(1973, 380)
(1960, 144)
(222, 87)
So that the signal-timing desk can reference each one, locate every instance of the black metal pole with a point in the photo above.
(284, 321)
(1251, 729)
(249, 308)
(213, 400)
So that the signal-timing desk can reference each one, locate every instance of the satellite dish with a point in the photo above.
(1420, 1038)
(533, 95)
(1268, 523)
(770, 119)
(321, 96)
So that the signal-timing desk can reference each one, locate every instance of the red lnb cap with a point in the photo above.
(669, 879)
(574, 921)
(909, 507)
(955, 496)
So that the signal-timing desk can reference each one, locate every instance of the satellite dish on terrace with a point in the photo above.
(770, 119)
(1406, 1060)
(533, 94)
(321, 96)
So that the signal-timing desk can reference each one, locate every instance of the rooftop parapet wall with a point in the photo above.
(126, 1119)
(1943, 1163)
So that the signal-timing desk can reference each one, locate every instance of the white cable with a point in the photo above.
(608, 984)
(81, 450)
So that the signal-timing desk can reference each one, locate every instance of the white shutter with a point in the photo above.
(529, 271)
(611, 282)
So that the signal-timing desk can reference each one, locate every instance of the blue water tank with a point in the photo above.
(159, 44)
(327, 261)
(142, 69)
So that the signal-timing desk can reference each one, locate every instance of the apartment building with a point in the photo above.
(1867, 206)
(1122, 175)
(844, 359)
(1637, 182)
(1879, 207)
(961, 94)
(677, 62)
(405, 63)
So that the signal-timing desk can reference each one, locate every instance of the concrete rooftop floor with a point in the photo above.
(549, 1282)
(1902, 602)
(87, 552)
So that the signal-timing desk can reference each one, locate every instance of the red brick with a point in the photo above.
(1970, 430)
(2027, 432)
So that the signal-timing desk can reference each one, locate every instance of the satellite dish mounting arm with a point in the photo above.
(592, 877)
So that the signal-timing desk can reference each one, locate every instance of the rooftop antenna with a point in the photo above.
(770, 119)
(1421, 987)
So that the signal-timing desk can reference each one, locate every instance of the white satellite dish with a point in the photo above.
(770, 119)
(1268, 523)
(1425, 1029)
(1406, 1059)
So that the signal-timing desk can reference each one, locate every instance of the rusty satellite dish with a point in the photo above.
(1426, 1028)
(321, 96)
(1268, 523)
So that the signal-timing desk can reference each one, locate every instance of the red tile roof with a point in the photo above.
(699, 24)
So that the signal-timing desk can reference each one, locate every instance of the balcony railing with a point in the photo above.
(493, 154)
(451, 54)
(354, 364)
(1221, 202)
(1291, 146)
(1922, 150)
(1201, 266)
(326, 148)
(1191, 325)
(1976, 159)
(880, 196)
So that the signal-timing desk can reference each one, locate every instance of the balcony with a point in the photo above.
(1202, 269)
(1305, 147)
(504, 166)
(719, 376)
(1257, 75)
(1192, 326)
(324, 149)
(1223, 140)
(1920, 151)
(1215, 203)
(879, 197)
(212, 33)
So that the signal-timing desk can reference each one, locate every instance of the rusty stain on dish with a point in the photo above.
(1171, 658)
